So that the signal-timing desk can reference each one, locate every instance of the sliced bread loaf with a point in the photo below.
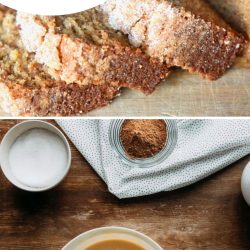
(82, 49)
(27, 89)
(183, 33)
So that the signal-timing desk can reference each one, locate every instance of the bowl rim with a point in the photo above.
(35, 123)
(117, 229)
(51, 8)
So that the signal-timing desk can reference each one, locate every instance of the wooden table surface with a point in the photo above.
(208, 215)
(184, 94)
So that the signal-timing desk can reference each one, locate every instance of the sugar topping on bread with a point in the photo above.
(175, 33)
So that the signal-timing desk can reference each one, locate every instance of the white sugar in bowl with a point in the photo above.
(35, 155)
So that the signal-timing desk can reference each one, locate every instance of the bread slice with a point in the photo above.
(27, 89)
(81, 48)
(183, 33)
(237, 13)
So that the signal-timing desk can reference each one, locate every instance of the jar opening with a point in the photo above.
(167, 144)
(143, 138)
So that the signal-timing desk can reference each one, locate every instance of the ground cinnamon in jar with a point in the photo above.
(143, 138)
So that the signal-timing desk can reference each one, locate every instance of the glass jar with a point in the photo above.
(116, 144)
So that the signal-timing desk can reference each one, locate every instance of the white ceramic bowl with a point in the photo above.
(54, 7)
(245, 183)
(10, 138)
(110, 233)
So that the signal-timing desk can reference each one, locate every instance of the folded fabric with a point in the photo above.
(203, 148)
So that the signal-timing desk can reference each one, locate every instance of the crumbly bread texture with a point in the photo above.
(27, 89)
(183, 33)
(236, 13)
(82, 49)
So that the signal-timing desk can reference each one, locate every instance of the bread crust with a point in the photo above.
(58, 100)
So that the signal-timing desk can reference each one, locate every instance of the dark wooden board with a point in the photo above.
(208, 215)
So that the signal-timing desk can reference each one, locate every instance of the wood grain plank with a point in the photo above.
(208, 215)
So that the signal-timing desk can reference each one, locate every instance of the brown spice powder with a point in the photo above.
(143, 138)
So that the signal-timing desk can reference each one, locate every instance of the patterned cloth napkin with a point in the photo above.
(203, 148)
